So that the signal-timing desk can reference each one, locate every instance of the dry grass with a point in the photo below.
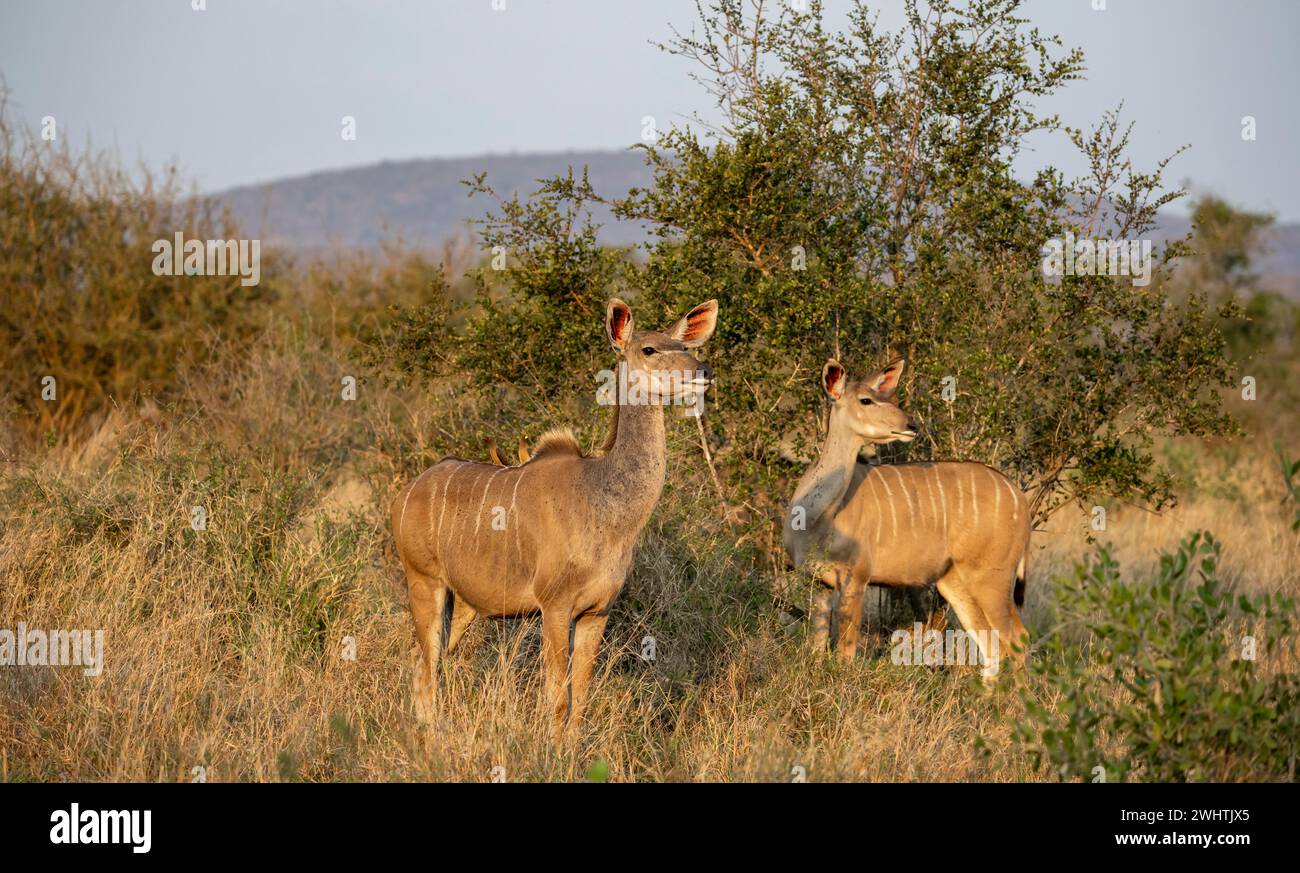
(224, 647)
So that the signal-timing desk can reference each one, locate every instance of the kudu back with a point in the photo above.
(554, 534)
(962, 526)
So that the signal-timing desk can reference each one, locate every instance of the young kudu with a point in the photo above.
(554, 534)
(963, 526)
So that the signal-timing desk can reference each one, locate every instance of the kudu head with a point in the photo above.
(867, 408)
(662, 363)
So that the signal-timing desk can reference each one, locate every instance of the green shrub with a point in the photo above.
(542, 292)
(81, 301)
(1158, 680)
(858, 198)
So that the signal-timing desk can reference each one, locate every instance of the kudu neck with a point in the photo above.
(633, 466)
(638, 426)
(827, 481)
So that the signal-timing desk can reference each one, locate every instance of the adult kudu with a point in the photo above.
(961, 525)
(554, 534)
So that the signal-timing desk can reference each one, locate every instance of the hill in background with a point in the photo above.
(424, 203)
(421, 201)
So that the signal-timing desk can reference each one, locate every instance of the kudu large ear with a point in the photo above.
(834, 378)
(618, 324)
(885, 382)
(695, 327)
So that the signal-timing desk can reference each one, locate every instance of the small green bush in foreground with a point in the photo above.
(1164, 680)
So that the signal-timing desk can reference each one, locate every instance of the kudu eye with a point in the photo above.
(648, 350)
(865, 401)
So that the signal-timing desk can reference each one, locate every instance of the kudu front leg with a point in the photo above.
(850, 617)
(557, 625)
(826, 601)
(588, 633)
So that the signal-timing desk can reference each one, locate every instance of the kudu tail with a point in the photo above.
(1018, 593)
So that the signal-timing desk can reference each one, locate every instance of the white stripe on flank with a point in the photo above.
(445, 488)
(460, 535)
(478, 519)
(401, 520)
(519, 550)
(1015, 500)
(943, 500)
(893, 514)
(974, 499)
(875, 498)
(907, 495)
(433, 539)
(929, 490)
(997, 493)
(961, 500)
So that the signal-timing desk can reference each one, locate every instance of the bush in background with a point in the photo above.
(81, 301)
(858, 199)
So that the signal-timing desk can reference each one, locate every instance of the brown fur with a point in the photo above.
(962, 526)
(553, 535)
(558, 440)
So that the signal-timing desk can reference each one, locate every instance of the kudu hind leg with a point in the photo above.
(1019, 637)
(428, 599)
(993, 591)
(955, 588)
(462, 615)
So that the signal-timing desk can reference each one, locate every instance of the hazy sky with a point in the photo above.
(249, 91)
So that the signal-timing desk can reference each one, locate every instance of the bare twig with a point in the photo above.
(717, 483)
